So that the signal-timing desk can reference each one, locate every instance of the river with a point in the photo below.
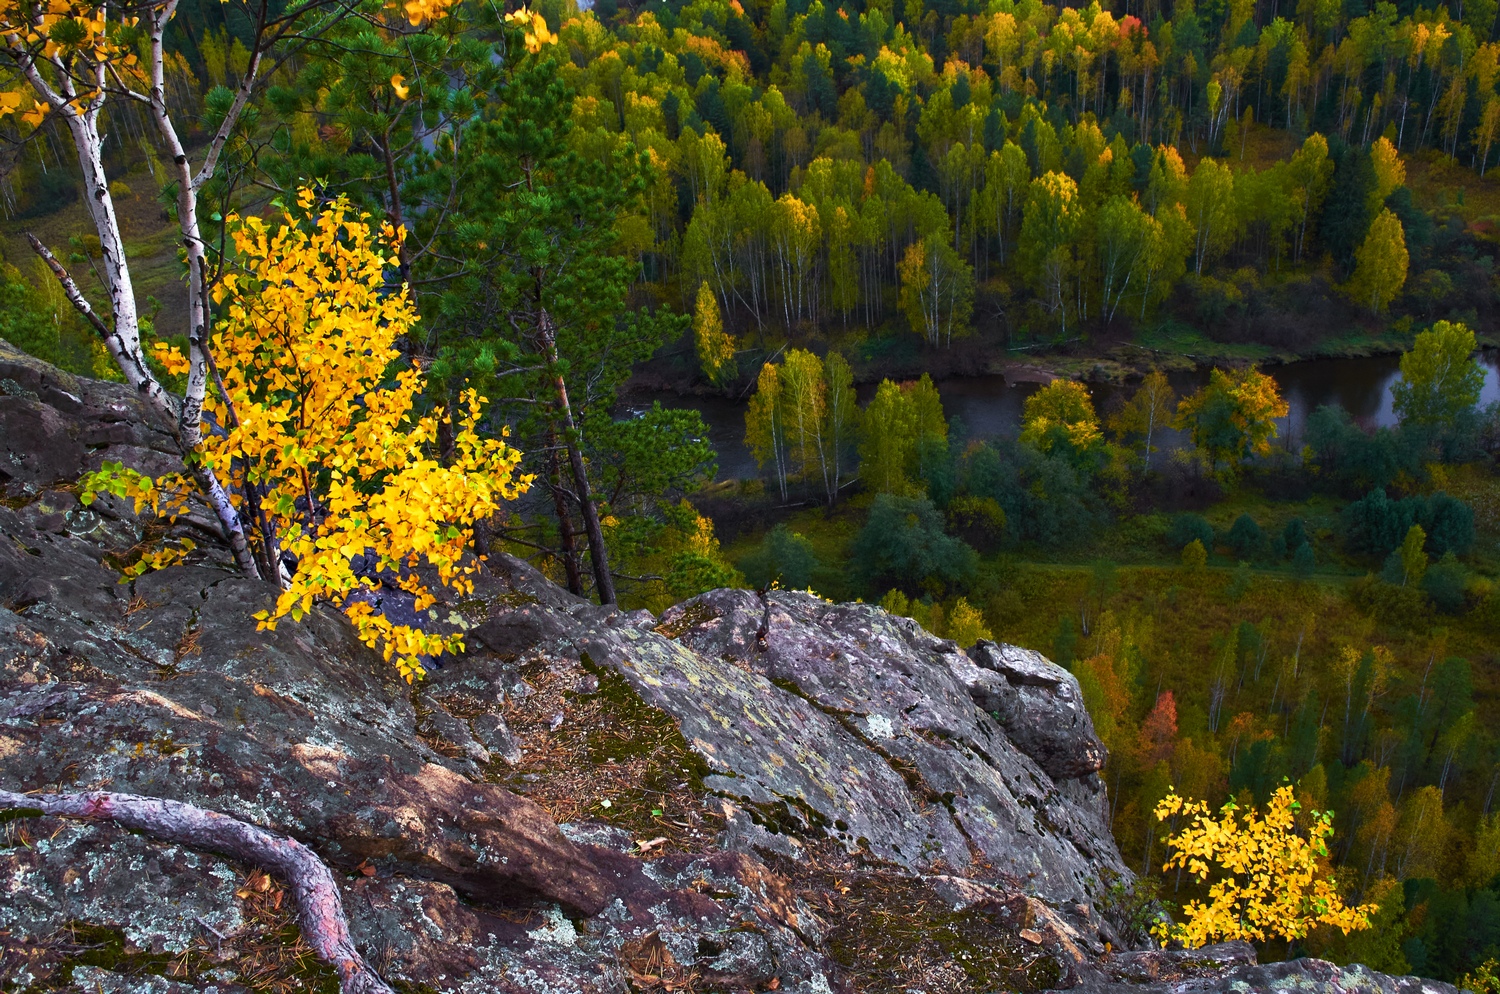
(989, 406)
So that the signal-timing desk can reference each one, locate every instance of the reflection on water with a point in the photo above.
(1361, 386)
(990, 407)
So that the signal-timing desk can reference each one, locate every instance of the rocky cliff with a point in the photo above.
(748, 793)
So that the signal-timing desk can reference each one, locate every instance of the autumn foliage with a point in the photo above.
(1234, 416)
(1061, 405)
(1269, 878)
(317, 423)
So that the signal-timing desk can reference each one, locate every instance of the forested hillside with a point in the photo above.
(1047, 168)
(1039, 169)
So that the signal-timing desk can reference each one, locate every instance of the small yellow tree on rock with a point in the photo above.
(314, 421)
(1270, 879)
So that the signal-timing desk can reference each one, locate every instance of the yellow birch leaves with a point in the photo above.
(12, 102)
(1269, 877)
(323, 422)
(1380, 264)
(1063, 405)
(531, 22)
(715, 346)
(63, 30)
(535, 26)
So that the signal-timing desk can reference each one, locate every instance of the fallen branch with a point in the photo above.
(320, 911)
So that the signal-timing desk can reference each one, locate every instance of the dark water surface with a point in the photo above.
(989, 407)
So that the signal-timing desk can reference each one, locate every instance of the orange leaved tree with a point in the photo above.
(1234, 416)
(314, 418)
(1269, 878)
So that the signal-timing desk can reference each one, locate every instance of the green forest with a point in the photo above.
(816, 215)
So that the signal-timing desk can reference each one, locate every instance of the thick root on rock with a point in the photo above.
(320, 911)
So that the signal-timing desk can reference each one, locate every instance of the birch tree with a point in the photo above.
(715, 347)
(1147, 411)
(1210, 206)
(805, 404)
(1049, 226)
(351, 499)
(75, 59)
(765, 426)
(1439, 381)
(1121, 240)
(937, 290)
(1310, 173)
(888, 435)
(1380, 264)
(843, 419)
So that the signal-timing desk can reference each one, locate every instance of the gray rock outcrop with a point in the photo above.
(1231, 968)
(865, 725)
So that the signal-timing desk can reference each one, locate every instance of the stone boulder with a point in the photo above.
(54, 426)
(1231, 968)
(863, 725)
(1040, 706)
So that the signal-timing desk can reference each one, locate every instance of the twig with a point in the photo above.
(70, 288)
(638, 579)
(320, 910)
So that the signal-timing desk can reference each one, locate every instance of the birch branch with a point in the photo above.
(70, 287)
(125, 358)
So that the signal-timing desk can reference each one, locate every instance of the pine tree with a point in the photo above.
(542, 304)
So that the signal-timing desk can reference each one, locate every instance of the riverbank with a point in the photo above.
(1172, 346)
(1358, 377)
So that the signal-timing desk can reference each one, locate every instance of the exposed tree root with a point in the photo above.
(320, 911)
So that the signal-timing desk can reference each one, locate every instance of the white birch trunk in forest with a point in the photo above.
(74, 84)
